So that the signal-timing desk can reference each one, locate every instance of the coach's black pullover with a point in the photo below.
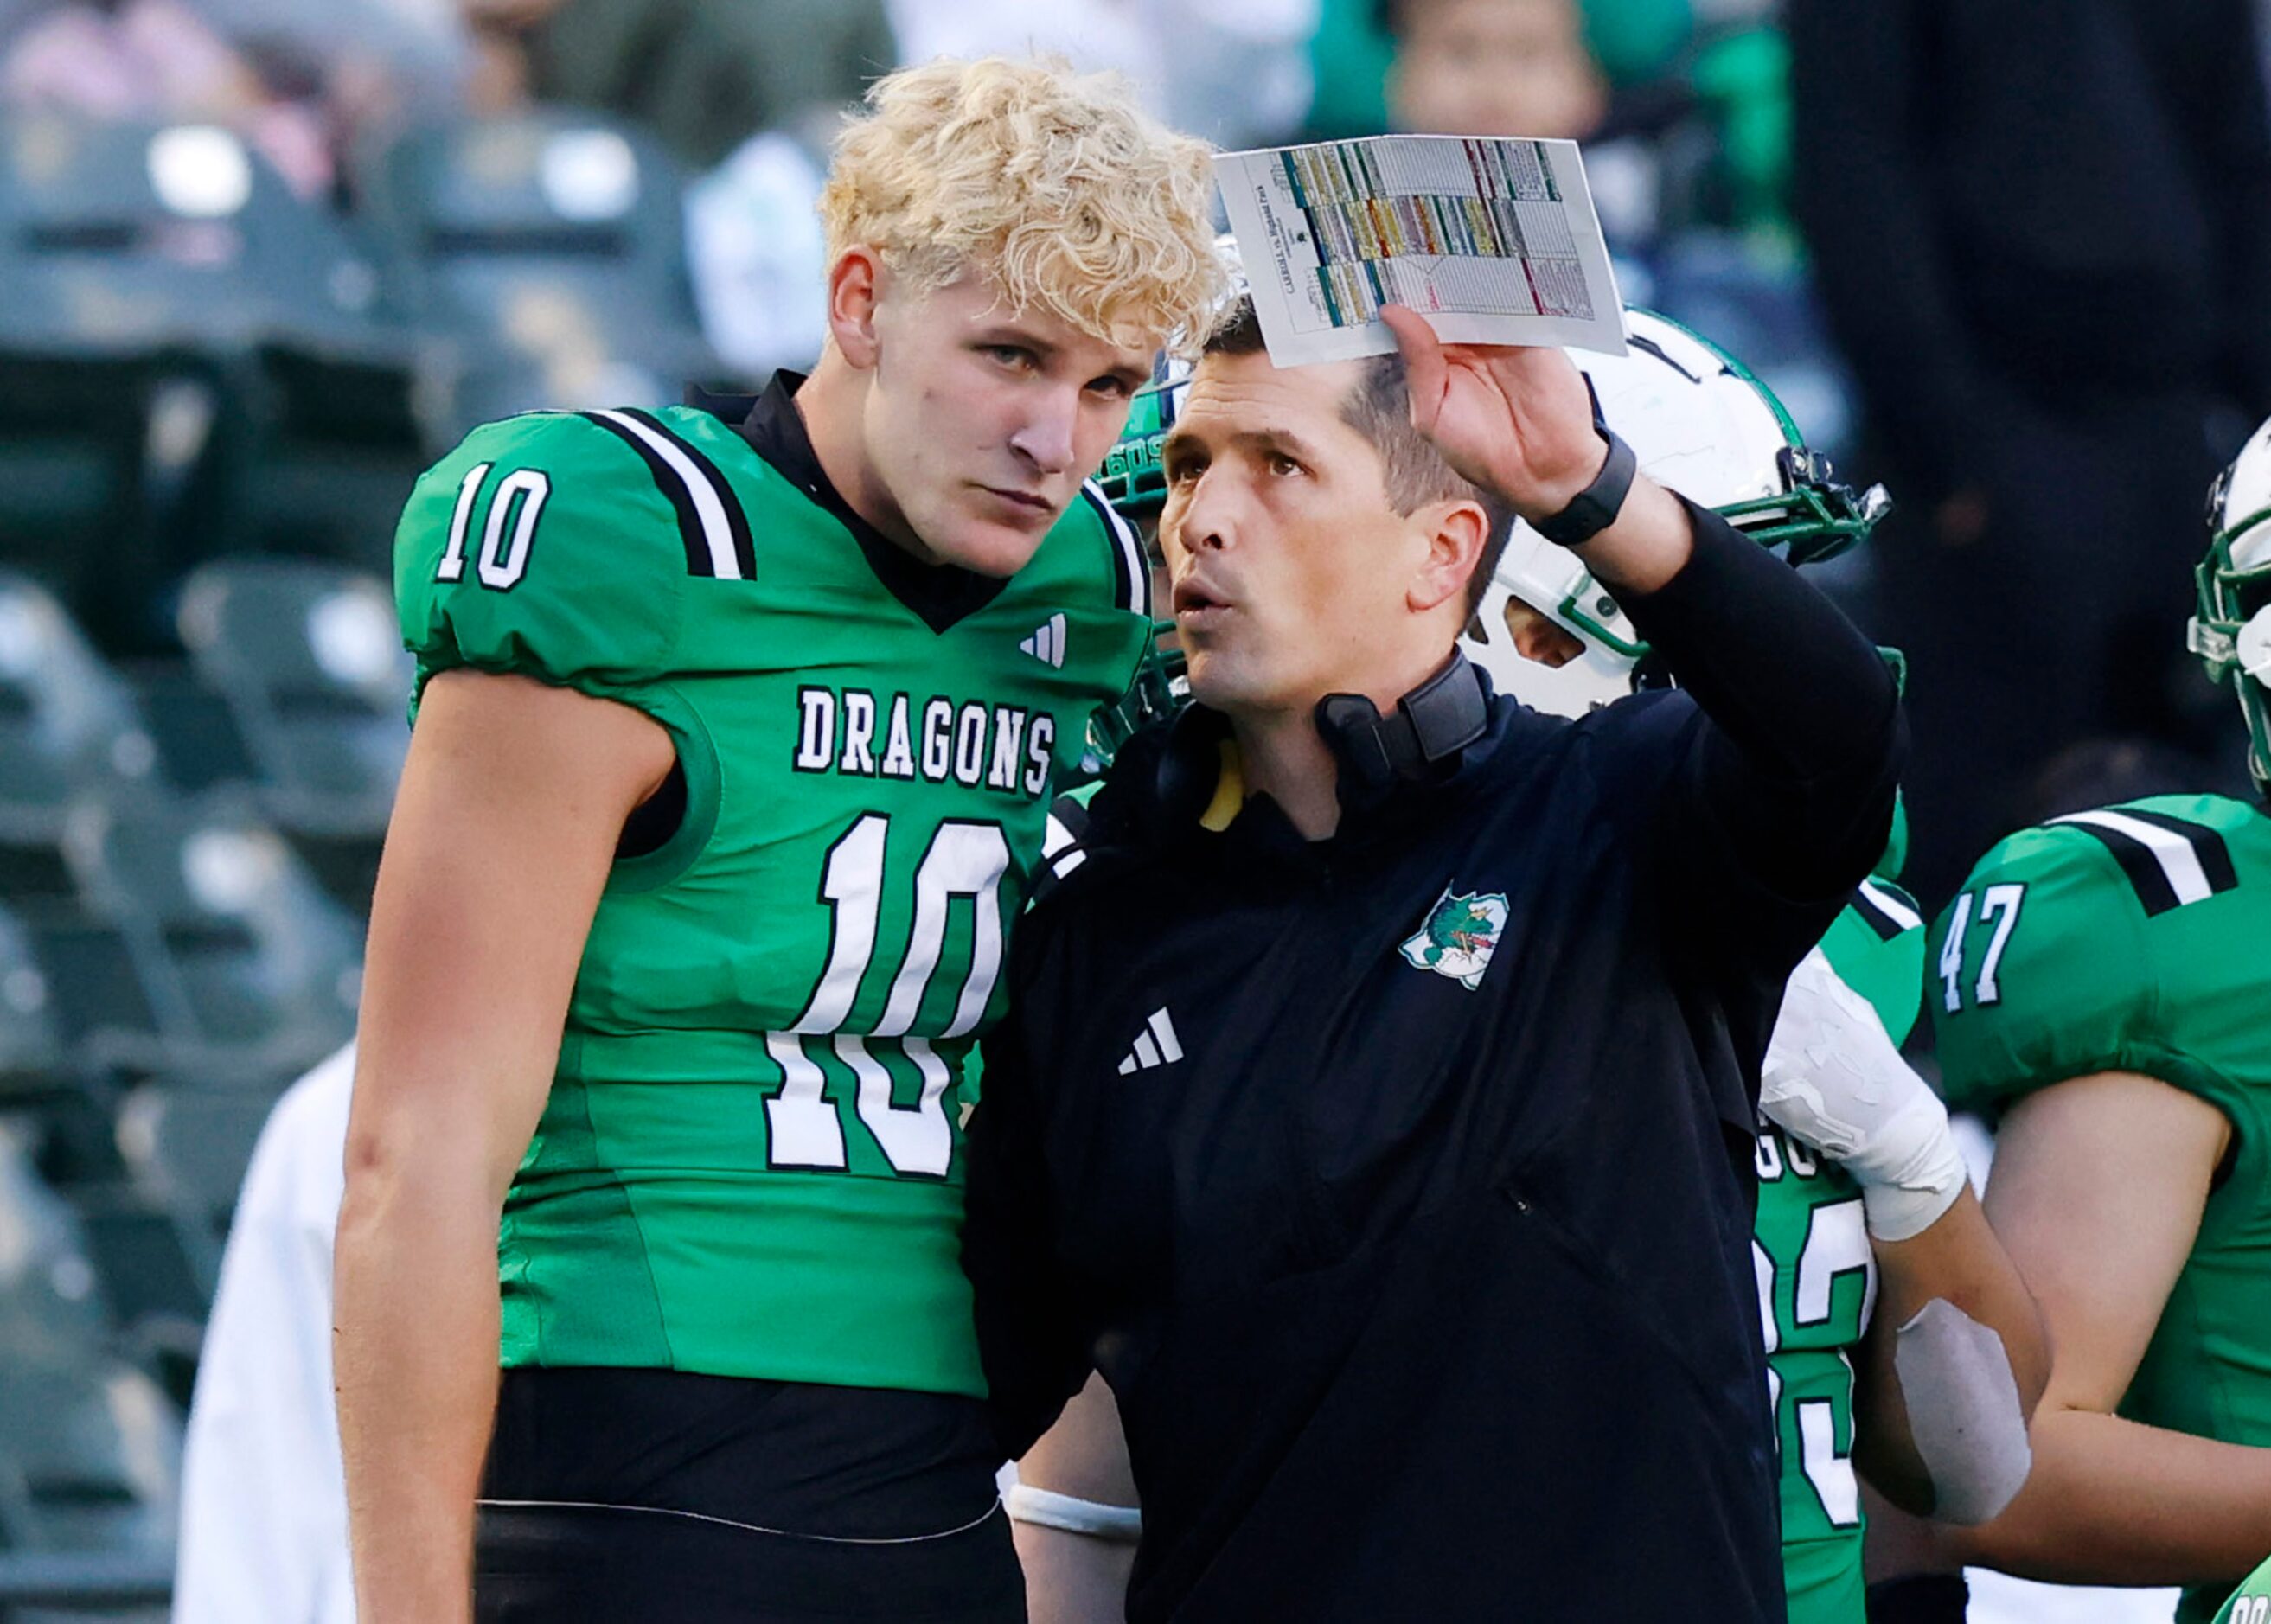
(1423, 1300)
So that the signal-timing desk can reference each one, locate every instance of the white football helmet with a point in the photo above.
(1700, 425)
(2231, 630)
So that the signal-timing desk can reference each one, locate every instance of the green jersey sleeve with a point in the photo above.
(2098, 941)
(541, 546)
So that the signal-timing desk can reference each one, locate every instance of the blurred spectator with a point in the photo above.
(1238, 75)
(123, 61)
(1494, 68)
(1740, 82)
(2043, 232)
(264, 1498)
(499, 80)
(298, 88)
(704, 75)
(1348, 61)
(359, 65)
(157, 60)
(1632, 41)
(1524, 68)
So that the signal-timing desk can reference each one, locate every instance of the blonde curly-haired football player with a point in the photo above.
(735, 739)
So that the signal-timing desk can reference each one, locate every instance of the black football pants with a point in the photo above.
(548, 1564)
(659, 1497)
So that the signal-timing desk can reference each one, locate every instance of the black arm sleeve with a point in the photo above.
(1785, 797)
(1034, 1352)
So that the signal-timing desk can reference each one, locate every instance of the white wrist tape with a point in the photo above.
(1964, 1412)
(1916, 1172)
(1047, 1508)
(1832, 1078)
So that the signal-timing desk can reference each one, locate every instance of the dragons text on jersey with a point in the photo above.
(857, 732)
(748, 1164)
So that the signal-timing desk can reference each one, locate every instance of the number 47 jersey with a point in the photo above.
(2133, 938)
(748, 1163)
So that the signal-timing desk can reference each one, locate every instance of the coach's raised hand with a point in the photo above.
(1519, 420)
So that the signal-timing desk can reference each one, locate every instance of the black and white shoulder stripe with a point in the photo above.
(710, 522)
(1061, 846)
(1131, 571)
(2170, 861)
(1887, 909)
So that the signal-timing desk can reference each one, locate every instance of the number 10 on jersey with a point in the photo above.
(804, 1130)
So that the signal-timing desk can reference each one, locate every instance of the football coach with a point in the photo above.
(1376, 1108)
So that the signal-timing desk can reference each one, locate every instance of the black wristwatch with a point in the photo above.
(1594, 509)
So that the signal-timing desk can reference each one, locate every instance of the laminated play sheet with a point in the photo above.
(1495, 242)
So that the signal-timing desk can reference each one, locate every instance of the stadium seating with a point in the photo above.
(69, 731)
(31, 1041)
(199, 747)
(311, 665)
(89, 1459)
(158, 1263)
(122, 236)
(103, 1014)
(186, 1141)
(242, 957)
(307, 661)
(102, 467)
(551, 246)
(90, 1443)
(68, 726)
(184, 349)
(322, 444)
(52, 1309)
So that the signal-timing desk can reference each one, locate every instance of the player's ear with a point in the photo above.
(854, 285)
(1455, 532)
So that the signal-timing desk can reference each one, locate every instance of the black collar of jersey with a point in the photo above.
(1424, 745)
(939, 594)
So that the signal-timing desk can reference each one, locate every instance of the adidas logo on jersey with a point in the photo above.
(1155, 1046)
(1048, 642)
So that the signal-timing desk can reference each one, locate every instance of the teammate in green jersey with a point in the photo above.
(733, 745)
(2103, 983)
(1819, 1281)
(1702, 426)
(2251, 1603)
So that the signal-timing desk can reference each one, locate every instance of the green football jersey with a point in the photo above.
(1818, 1282)
(2251, 1603)
(2133, 939)
(749, 1161)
